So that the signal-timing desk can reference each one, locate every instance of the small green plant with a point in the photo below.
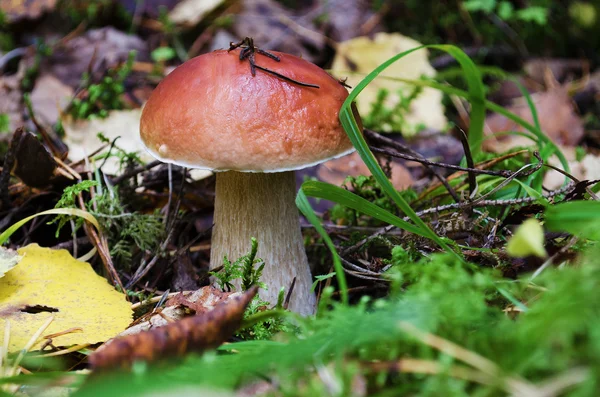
(247, 268)
(265, 330)
(102, 96)
(163, 54)
(4, 122)
(506, 11)
(67, 200)
(383, 118)
(126, 159)
(7, 41)
(126, 231)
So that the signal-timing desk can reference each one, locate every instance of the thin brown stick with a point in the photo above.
(372, 135)
(135, 171)
(470, 163)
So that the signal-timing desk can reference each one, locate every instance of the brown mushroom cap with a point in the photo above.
(212, 113)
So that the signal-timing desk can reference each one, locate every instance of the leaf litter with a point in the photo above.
(502, 322)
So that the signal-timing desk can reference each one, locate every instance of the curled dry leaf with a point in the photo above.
(33, 163)
(49, 98)
(52, 283)
(192, 334)
(274, 27)
(200, 301)
(95, 51)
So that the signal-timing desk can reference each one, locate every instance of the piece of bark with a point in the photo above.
(192, 334)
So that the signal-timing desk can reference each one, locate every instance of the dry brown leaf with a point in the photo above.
(33, 163)
(274, 27)
(345, 18)
(335, 171)
(151, 8)
(363, 54)
(185, 277)
(560, 68)
(105, 48)
(201, 301)
(192, 334)
(17, 10)
(49, 97)
(11, 98)
(555, 113)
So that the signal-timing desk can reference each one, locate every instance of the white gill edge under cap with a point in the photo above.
(200, 167)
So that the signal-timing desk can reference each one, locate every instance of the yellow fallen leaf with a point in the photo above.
(54, 283)
(363, 54)
(527, 240)
(8, 259)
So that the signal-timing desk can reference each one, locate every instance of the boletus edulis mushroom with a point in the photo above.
(253, 117)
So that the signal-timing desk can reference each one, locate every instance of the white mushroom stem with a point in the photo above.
(262, 205)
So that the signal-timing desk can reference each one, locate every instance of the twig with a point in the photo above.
(503, 173)
(135, 171)
(471, 165)
(358, 268)
(248, 51)
(420, 159)
(551, 260)
(485, 203)
(455, 206)
(143, 269)
(362, 242)
(372, 135)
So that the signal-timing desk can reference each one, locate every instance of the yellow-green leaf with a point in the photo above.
(363, 54)
(53, 283)
(527, 240)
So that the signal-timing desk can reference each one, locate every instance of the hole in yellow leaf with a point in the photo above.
(39, 309)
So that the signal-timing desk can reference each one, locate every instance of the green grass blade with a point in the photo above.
(549, 148)
(475, 95)
(341, 196)
(56, 211)
(581, 218)
(304, 207)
